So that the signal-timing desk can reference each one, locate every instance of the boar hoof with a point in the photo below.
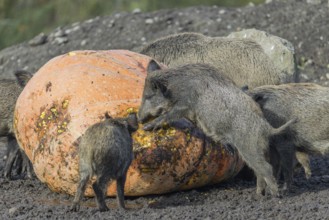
(260, 192)
(308, 174)
(103, 209)
(75, 207)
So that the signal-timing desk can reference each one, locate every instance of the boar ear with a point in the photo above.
(22, 77)
(153, 66)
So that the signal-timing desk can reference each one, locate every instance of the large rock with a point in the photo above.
(280, 51)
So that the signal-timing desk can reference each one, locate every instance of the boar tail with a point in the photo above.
(107, 115)
(277, 131)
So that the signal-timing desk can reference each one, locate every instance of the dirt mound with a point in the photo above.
(305, 25)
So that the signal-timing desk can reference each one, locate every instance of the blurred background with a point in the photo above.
(23, 19)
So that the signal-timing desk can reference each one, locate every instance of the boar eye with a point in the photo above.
(154, 86)
(260, 99)
(159, 87)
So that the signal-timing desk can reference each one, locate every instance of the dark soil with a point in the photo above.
(305, 25)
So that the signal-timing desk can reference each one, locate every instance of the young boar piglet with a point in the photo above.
(242, 60)
(214, 104)
(10, 89)
(106, 151)
(310, 104)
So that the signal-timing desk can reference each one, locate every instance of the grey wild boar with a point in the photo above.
(310, 104)
(242, 60)
(214, 104)
(105, 151)
(10, 89)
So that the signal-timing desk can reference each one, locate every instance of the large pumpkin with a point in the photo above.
(73, 91)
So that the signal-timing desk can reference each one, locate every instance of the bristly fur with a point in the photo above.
(308, 102)
(105, 151)
(203, 95)
(10, 89)
(242, 60)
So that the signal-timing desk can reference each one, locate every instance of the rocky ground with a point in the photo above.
(305, 25)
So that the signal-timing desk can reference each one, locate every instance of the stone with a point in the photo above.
(280, 51)
(38, 40)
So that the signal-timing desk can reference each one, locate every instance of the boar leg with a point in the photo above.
(304, 160)
(120, 190)
(84, 177)
(12, 155)
(274, 159)
(16, 159)
(100, 187)
(261, 185)
(263, 179)
(287, 155)
(266, 173)
(262, 169)
(27, 166)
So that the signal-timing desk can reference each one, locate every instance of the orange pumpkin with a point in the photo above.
(73, 91)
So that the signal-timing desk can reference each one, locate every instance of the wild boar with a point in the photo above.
(242, 60)
(9, 92)
(105, 151)
(308, 102)
(213, 103)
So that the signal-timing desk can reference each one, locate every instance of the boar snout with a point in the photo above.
(148, 111)
(142, 116)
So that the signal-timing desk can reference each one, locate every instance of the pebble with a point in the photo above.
(68, 31)
(83, 42)
(61, 40)
(325, 178)
(314, 2)
(309, 62)
(149, 21)
(12, 210)
(304, 76)
(38, 40)
(136, 11)
(59, 33)
(221, 12)
(76, 24)
(89, 21)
